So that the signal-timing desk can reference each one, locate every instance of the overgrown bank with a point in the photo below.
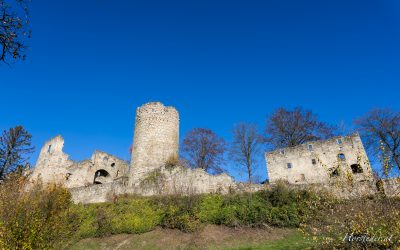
(45, 218)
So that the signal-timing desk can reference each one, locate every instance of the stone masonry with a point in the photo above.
(54, 166)
(155, 169)
(156, 139)
(156, 142)
(320, 161)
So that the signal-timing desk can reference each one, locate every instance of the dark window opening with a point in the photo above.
(100, 173)
(341, 157)
(335, 173)
(339, 141)
(48, 150)
(356, 168)
(314, 161)
(67, 176)
(282, 151)
(289, 165)
(113, 164)
(310, 147)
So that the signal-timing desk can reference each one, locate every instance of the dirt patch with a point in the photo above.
(210, 237)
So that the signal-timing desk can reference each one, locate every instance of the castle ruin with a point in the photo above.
(155, 147)
(337, 158)
(155, 169)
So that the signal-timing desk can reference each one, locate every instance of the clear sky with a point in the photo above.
(92, 62)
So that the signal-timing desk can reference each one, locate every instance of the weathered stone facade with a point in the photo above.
(156, 142)
(338, 165)
(54, 166)
(156, 139)
(339, 158)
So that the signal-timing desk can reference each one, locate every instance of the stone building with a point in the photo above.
(155, 147)
(156, 139)
(155, 169)
(338, 158)
(54, 166)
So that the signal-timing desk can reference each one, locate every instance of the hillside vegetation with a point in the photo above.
(45, 218)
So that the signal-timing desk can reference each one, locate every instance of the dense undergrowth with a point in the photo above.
(45, 218)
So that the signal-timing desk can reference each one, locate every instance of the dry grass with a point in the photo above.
(211, 237)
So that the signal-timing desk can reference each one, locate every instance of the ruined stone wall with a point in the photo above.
(183, 181)
(161, 181)
(156, 139)
(54, 166)
(391, 187)
(320, 161)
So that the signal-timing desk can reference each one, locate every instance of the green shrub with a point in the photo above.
(210, 209)
(134, 216)
(179, 212)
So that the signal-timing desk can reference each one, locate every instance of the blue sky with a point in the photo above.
(91, 63)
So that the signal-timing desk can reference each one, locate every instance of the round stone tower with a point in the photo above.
(155, 140)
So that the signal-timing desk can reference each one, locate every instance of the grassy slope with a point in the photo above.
(211, 237)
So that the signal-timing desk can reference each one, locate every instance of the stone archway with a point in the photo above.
(102, 176)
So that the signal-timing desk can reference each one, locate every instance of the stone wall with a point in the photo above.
(156, 139)
(99, 193)
(320, 165)
(161, 181)
(340, 158)
(183, 181)
(391, 187)
(54, 166)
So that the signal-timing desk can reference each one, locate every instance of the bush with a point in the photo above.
(134, 216)
(378, 218)
(129, 215)
(38, 218)
(179, 212)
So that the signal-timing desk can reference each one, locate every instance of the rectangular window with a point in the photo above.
(314, 162)
(339, 141)
(310, 147)
(289, 165)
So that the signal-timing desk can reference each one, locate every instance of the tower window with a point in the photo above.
(335, 173)
(49, 149)
(282, 151)
(341, 157)
(310, 147)
(314, 162)
(339, 141)
(113, 164)
(289, 165)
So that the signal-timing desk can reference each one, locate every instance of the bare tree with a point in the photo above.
(204, 149)
(14, 20)
(245, 147)
(287, 128)
(15, 147)
(380, 128)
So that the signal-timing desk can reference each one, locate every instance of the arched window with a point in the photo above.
(100, 176)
